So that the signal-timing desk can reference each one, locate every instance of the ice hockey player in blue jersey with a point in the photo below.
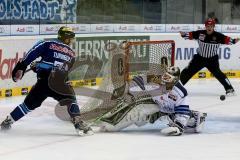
(171, 104)
(56, 57)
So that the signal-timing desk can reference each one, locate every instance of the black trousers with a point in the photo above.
(212, 64)
(41, 90)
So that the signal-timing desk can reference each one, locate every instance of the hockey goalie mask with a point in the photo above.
(171, 76)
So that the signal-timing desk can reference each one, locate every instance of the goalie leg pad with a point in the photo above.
(196, 122)
(138, 116)
(107, 127)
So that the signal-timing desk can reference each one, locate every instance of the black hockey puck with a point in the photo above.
(222, 97)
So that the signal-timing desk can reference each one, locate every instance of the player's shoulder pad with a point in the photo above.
(39, 43)
(180, 89)
(219, 34)
(57, 41)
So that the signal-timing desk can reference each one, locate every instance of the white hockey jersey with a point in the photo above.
(175, 102)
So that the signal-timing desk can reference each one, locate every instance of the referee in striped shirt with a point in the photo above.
(209, 41)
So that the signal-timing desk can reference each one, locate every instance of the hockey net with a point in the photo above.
(127, 59)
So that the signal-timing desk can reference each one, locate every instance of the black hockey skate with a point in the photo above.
(7, 123)
(81, 127)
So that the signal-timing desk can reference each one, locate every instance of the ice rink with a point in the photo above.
(42, 136)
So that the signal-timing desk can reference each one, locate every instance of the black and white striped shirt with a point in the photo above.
(207, 50)
(208, 44)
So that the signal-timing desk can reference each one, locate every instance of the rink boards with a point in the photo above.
(13, 48)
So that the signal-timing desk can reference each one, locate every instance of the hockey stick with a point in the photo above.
(27, 70)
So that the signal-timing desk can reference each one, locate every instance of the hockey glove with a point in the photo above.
(237, 40)
(18, 71)
(33, 66)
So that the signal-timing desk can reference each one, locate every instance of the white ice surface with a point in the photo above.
(41, 136)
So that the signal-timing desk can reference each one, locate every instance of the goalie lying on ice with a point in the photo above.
(172, 103)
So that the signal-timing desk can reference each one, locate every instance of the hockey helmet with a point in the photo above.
(210, 21)
(65, 33)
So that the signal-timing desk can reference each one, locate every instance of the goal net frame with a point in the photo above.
(107, 97)
(149, 42)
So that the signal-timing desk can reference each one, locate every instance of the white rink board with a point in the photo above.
(12, 51)
(46, 29)
(229, 54)
(11, 46)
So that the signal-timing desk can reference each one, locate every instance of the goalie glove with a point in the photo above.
(18, 71)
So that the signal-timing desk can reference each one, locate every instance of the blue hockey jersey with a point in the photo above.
(54, 54)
